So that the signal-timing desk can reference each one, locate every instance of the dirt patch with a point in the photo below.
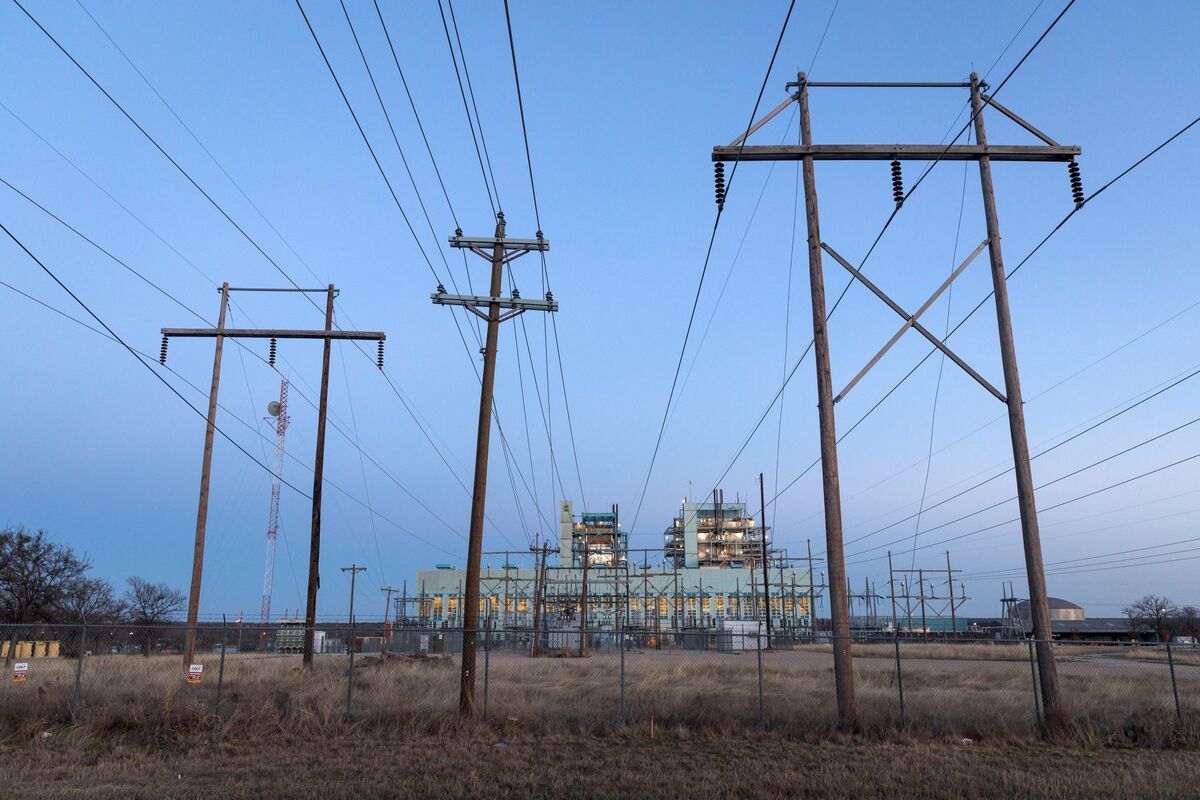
(485, 763)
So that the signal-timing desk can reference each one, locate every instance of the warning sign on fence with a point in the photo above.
(21, 671)
(195, 672)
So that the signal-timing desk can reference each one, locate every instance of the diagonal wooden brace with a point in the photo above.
(910, 321)
(770, 116)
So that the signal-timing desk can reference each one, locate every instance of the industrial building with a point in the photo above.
(710, 571)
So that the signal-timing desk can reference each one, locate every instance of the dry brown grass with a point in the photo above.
(677, 764)
(146, 700)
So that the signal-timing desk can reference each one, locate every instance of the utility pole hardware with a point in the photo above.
(984, 153)
(220, 333)
(503, 252)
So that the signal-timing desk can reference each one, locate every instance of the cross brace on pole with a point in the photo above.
(983, 153)
(910, 321)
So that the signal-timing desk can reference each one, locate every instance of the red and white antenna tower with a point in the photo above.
(278, 412)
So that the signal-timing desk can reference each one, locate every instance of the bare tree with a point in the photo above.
(1187, 622)
(151, 603)
(93, 600)
(36, 575)
(1153, 613)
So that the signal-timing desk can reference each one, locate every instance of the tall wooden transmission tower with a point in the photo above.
(278, 412)
(983, 153)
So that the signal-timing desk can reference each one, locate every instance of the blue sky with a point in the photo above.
(623, 103)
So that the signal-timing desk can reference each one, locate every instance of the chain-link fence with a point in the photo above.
(697, 679)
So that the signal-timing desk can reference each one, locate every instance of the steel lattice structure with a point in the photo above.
(281, 425)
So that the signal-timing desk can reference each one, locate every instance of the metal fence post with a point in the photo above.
(1174, 685)
(75, 701)
(899, 678)
(350, 670)
(621, 644)
(221, 668)
(762, 711)
(1037, 702)
(487, 668)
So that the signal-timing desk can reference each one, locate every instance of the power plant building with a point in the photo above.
(710, 571)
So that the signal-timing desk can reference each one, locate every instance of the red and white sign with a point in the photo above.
(20, 671)
(195, 673)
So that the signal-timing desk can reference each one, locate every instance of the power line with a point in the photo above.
(937, 389)
(353, 440)
(462, 53)
(197, 140)
(149, 361)
(961, 322)
(160, 149)
(545, 274)
(391, 190)
(704, 271)
(133, 353)
(821, 41)
(850, 282)
(1075, 499)
(1040, 394)
(1077, 561)
(220, 208)
(466, 108)
(366, 141)
(416, 115)
(1071, 438)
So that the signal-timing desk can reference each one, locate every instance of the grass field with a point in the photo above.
(1111, 696)
(493, 763)
(555, 729)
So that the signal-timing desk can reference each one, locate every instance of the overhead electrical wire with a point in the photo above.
(1051, 449)
(492, 201)
(353, 441)
(1069, 501)
(150, 361)
(1002, 416)
(221, 210)
(937, 388)
(379, 166)
(1012, 272)
(462, 54)
(862, 263)
(545, 272)
(203, 415)
(704, 271)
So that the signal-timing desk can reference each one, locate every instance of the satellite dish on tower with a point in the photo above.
(273, 408)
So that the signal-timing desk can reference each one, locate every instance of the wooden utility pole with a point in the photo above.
(387, 602)
(1039, 604)
(220, 333)
(314, 547)
(892, 593)
(839, 603)
(539, 562)
(953, 605)
(762, 498)
(193, 612)
(353, 569)
(984, 153)
(503, 252)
